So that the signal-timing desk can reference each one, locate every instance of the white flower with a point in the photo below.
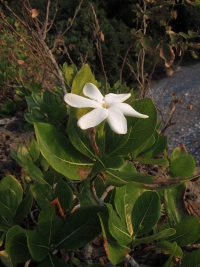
(109, 107)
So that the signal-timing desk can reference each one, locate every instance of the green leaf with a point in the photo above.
(59, 152)
(187, 232)
(121, 178)
(79, 138)
(114, 142)
(35, 173)
(9, 182)
(167, 248)
(82, 77)
(141, 129)
(161, 161)
(191, 259)
(6, 260)
(2, 237)
(160, 146)
(79, 228)
(64, 194)
(182, 167)
(37, 245)
(112, 162)
(53, 261)
(116, 253)
(125, 198)
(34, 150)
(4, 224)
(145, 213)
(146, 146)
(168, 263)
(16, 243)
(117, 227)
(48, 224)
(173, 198)
(163, 234)
(42, 193)
(24, 208)
(69, 72)
(8, 204)
(178, 152)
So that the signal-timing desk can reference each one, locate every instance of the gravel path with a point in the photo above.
(185, 83)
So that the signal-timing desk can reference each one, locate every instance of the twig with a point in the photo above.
(73, 19)
(123, 63)
(104, 195)
(130, 261)
(169, 122)
(46, 20)
(97, 36)
(93, 190)
(27, 263)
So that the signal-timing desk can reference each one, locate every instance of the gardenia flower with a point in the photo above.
(109, 107)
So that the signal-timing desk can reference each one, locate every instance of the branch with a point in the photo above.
(98, 38)
(72, 20)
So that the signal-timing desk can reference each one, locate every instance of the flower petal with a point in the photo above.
(77, 101)
(117, 121)
(127, 110)
(93, 118)
(91, 91)
(110, 98)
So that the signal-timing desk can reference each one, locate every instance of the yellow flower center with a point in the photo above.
(104, 105)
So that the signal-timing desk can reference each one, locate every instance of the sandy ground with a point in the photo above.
(185, 84)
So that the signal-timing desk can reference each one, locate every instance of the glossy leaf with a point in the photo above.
(48, 223)
(4, 224)
(167, 248)
(64, 194)
(120, 178)
(16, 242)
(53, 261)
(34, 150)
(24, 207)
(69, 72)
(8, 204)
(160, 161)
(182, 167)
(82, 77)
(139, 133)
(145, 213)
(125, 198)
(160, 235)
(9, 182)
(146, 146)
(37, 245)
(5, 259)
(79, 228)
(42, 193)
(168, 263)
(178, 152)
(117, 227)
(160, 146)
(174, 206)
(116, 253)
(191, 259)
(34, 172)
(79, 138)
(187, 232)
(59, 152)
